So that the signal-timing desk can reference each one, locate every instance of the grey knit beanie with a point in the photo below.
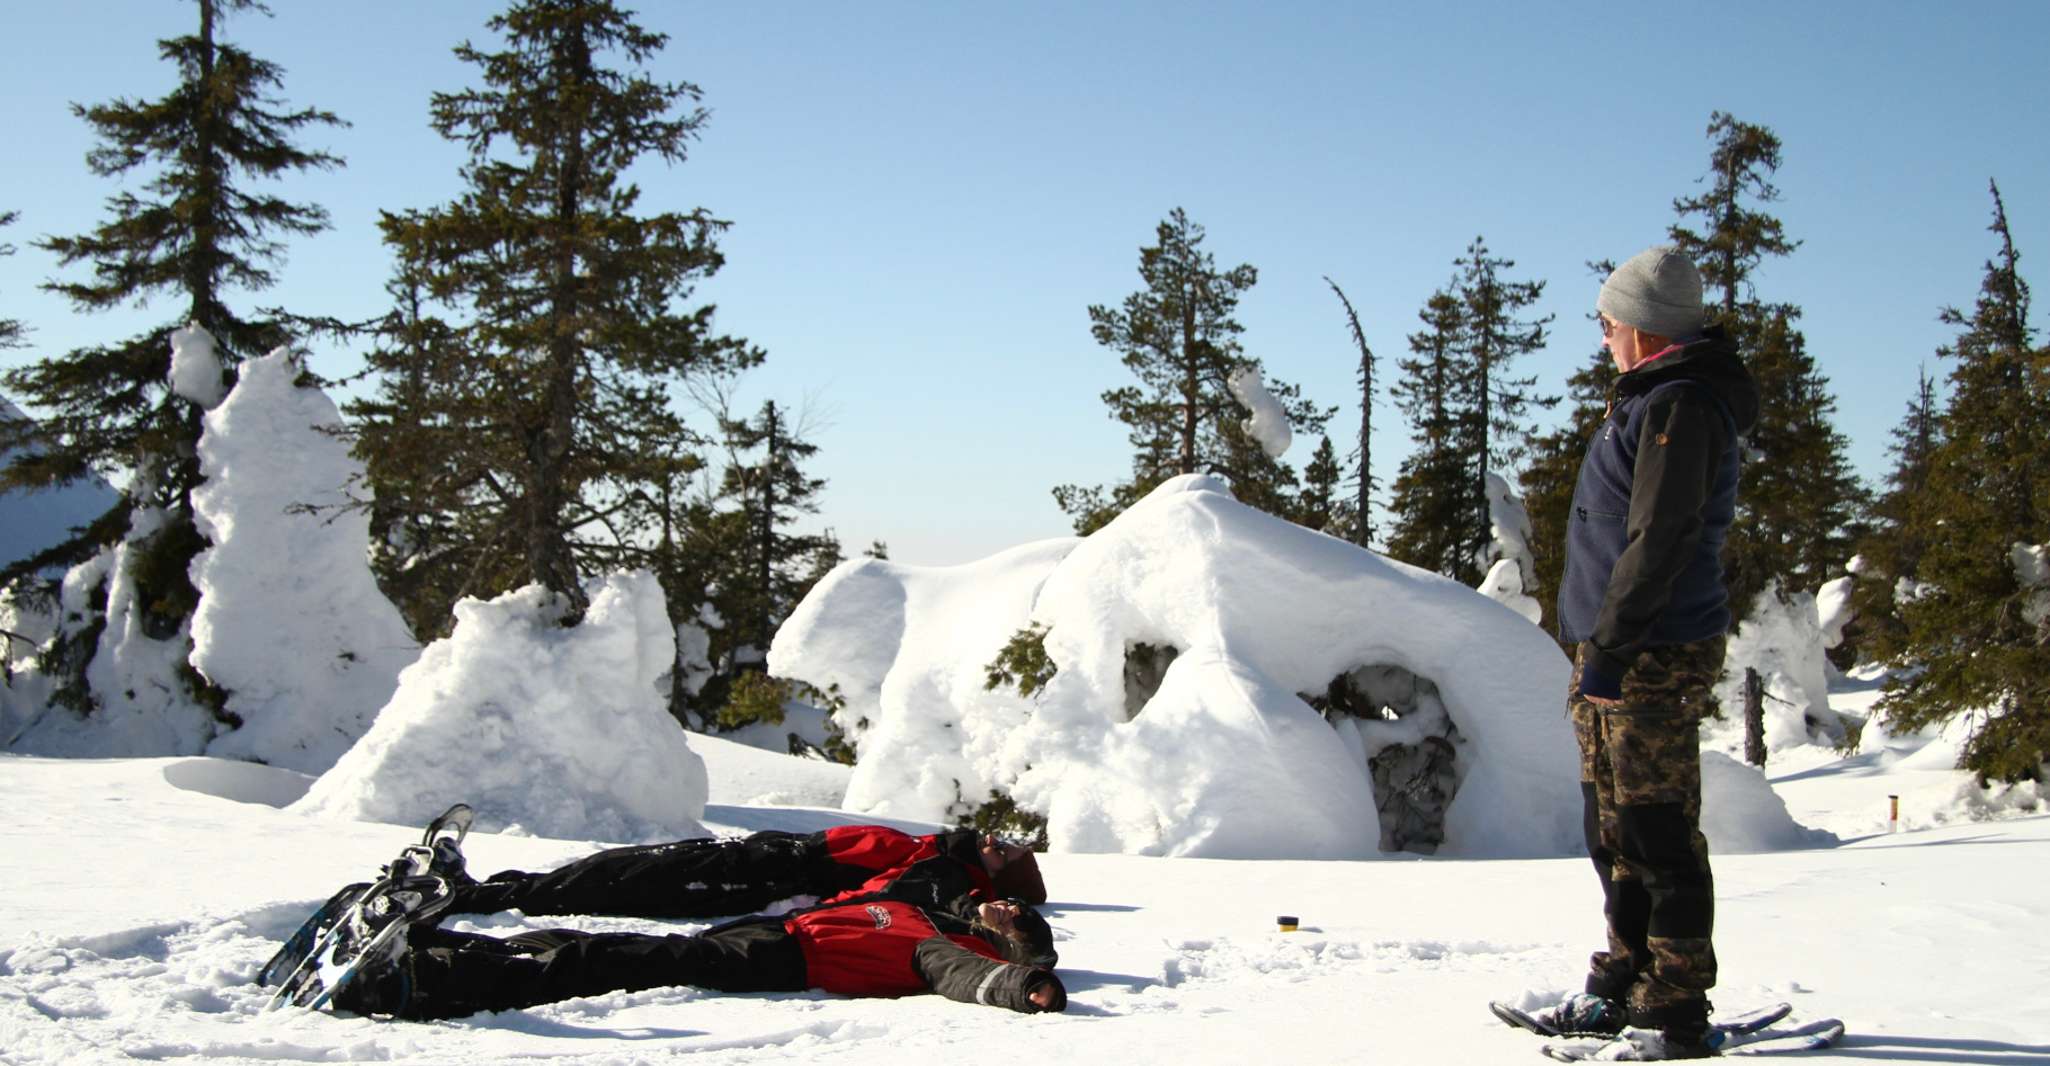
(1657, 291)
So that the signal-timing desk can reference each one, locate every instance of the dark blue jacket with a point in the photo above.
(1655, 499)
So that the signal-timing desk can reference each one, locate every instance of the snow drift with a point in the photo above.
(1219, 754)
(545, 730)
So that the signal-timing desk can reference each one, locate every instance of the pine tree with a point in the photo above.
(1797, 495)
(1900, 530)
(775, 565)
(1490, 419)
(1431, 505)
(1364, 482)
(198, 232)
(568, 334)
(1178, 336)
(1980, 636)
(11, 329)
(1319, 507)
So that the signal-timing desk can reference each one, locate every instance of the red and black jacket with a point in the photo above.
(939, 870)
(891, 948)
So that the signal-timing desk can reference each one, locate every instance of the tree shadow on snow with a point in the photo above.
(1935, 1049)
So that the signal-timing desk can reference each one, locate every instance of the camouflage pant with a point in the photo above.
(1640, 777)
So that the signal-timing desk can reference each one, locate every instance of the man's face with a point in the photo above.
(1001, 916)
(997, 854)
(1621, 341)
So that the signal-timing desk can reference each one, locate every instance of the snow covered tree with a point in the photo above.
(1798, 495)
(1430, 509)
(1364, 482)
(1179, 337)
(199, 232)
(1975, 608)
(566, 329)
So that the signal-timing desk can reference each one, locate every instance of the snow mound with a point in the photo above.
(1740, 813)
(1216, 754)
(290, 621)
(1784, 641)
(545, 730)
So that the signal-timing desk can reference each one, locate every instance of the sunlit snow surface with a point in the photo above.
(143, 894)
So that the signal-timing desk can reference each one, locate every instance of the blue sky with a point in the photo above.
(926, 198)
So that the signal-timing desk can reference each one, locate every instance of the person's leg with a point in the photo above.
(456, 975)
(1655, 751)
(1625, 904)
(684, 879)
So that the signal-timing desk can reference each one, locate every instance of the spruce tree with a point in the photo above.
(1431, 508)
(1979, 634)
(198, 231)
(1901, 528)
(1320, 507)
(1797, 496)
(775, 564)
(1490, 406)
(1178, 336)
(565, 301)
(1364, 482)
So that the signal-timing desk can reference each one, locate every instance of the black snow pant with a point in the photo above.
(684, 879)
(454, 975)
(1640, 780)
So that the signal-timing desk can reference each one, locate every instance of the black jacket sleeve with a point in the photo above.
(1679, 447)
(964, 976)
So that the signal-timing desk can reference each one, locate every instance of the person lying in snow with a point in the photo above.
(711, 878)
(1003, 957)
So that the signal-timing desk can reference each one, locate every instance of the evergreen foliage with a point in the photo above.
(1178, 336)
(1319, 506)
(1364, 482)
(565, 331)
(1468, 415)
(11, 329)
(198, 231)
(1979, 634)
(772, 567)
(1900, 531)
(1797, 496)
(1022, 663)
(1431, 488)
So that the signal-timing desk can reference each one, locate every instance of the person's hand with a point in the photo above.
(1042, 997)
(1601, 701)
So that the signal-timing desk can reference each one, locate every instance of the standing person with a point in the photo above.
(1002, 957)
(711, 878)
(1644, 601)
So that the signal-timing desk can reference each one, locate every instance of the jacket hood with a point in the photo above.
(1711, 361)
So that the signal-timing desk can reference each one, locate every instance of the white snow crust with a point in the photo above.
(1224, 760)
(196, 367)
(290, 620)
(1269, 424)
(546, 730)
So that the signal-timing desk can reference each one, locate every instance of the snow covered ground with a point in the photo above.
(142, 895)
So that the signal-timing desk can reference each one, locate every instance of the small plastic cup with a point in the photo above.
(1287, 922)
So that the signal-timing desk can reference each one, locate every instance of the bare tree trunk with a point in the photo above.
(1754, 717)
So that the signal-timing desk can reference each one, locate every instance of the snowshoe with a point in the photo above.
(370, 935)
(1648, 1045)
(301, 943)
